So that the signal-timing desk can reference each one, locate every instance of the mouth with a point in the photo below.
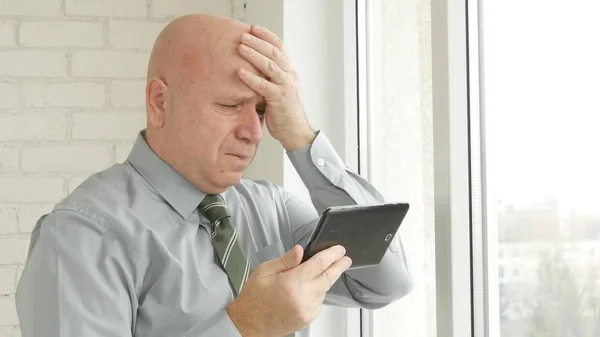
(240, 156)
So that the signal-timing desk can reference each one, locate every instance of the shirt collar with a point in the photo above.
(179, 192)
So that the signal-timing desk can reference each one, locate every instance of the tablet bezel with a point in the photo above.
(358, 218)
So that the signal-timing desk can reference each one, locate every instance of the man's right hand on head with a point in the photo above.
(282, 296)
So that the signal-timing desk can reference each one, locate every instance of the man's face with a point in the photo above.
(215, 120)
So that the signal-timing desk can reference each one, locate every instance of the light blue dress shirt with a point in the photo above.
(128, 254)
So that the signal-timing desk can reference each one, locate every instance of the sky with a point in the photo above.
(542, 100)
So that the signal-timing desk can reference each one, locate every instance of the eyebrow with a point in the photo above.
(240, 97)
(243, 98)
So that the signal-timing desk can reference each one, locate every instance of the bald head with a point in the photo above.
(192, 45)
(201, 117)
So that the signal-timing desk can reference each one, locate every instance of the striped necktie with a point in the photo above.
(226, 242)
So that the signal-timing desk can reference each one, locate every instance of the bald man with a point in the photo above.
(174, 242)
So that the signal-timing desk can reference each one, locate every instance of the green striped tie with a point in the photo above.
(224, 237)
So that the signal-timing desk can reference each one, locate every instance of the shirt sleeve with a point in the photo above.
(78, 280)
(331, 183)
(219, 324)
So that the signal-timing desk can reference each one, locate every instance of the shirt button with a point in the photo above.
(320, 162)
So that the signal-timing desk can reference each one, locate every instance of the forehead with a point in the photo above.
(222, 75)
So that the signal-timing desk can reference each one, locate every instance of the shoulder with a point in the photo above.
(104, 199)
(261, 191)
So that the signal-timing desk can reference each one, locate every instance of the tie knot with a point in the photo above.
(214, 208)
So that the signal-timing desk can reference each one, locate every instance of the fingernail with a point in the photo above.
(256, 27)
(247, 37)
(342, 250)
(245, 48)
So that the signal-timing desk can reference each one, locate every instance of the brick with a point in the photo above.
(32, 126)
(9, 159)
(9, 95)
(8, 220)
(74, 182)
(31, 189)
(13, 250)
(134, 34)
(7, 281)
(29, 215)
(118, 8)
(6, 331)
(30, 7)
(66, 158)
(122, 152)
(28, 63)
(61, 34)
(113, 64)
(8, 311)
(49, 94)
(20, 269)
(108, 126)
(163, 8)
(8, 33)
(130, 94)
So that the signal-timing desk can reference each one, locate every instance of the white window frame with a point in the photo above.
(463, 292)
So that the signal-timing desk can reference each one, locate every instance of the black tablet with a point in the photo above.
(364, 231)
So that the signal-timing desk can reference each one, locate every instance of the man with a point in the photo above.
(174, 242)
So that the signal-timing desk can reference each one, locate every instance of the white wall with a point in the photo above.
(72, 100)
(320, 44)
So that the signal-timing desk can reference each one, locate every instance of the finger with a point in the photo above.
(328, 278)
(270, 37)
(266, 66)
(259, 84)
(320, 262)
(267, 49)
(287, 261)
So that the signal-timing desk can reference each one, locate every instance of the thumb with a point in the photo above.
(285, 262)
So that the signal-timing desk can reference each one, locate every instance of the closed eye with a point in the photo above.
(228, 106)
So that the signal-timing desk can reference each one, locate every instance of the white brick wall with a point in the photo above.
(32, 126)
(133, 34)
(107, 125)
(9, 92)
(75, 158)
(163, 8)
(61, 34)
(109, 64)
(30, 63)
(107, 8)
(70, 94)
(30, 8)
(128, 94)
(72, 81)
(9, 159)
(8, 29)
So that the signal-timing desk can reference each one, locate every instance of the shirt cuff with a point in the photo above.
(318, 163)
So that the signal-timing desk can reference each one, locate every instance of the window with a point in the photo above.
(396, 146)
(503, 93)
(539, 76)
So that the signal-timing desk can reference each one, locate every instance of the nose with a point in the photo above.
(250, 127)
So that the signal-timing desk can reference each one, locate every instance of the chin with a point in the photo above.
(231, 178)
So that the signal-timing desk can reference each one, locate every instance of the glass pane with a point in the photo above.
(542, 69)
(401, 153)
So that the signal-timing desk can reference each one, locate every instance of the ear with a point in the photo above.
(156, 101)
